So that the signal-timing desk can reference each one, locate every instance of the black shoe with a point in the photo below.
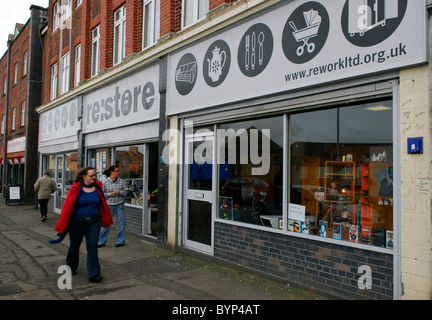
(101, 245)
(74, 272)
(43, 218)
(119, 245)
(97, 278)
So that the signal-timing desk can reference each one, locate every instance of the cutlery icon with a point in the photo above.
(247, 52)
(261, 48)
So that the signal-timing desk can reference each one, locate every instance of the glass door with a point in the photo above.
(199, 186)
(58, 177)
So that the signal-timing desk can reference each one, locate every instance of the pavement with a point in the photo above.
(31, 269)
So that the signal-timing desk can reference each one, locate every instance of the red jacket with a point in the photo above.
(62, 224)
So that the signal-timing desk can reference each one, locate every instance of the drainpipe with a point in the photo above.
(5, 159)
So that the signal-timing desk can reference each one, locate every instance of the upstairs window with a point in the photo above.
(77, 65)
(23, 110)
(25, 58)
(95, 60)
(56, 16)
(193, 11)
(151, 22)
(16, 73)
(13, 118)
(54, 73)
(119, 35)
(65, 74)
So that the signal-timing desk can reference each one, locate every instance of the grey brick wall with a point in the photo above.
(329, 269)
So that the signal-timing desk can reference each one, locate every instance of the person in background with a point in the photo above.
(115, 190)
(44, 186)
(84, 211)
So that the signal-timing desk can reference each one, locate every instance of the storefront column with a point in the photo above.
(416, 185)
(163, 171)
(173, 186)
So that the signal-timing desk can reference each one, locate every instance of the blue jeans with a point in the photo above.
(90, 229)
(119, 211)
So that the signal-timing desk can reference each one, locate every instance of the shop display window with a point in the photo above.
(244, 146)
(130, 160)
(71, 170)
(341, 173)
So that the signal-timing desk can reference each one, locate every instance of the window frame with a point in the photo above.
(16, 73)
(25, 63)
(3, 124)
(13, 118)
(77, 77)
(95, 52)
(56, 16)
(54, 81)
(65, 74)
(195, 14)
(151, 28)
(119, 38)
(23, 111)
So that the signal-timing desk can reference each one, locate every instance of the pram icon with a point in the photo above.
(313, 22)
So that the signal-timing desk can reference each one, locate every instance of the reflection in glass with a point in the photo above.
(341, 172)
(245, 196)
(199, 221)
(130, 160)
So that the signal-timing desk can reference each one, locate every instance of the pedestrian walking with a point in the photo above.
(44, 187)
(115, 190)
(84, 211)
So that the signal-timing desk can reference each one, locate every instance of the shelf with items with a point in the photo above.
(336, 208)
(339, 181)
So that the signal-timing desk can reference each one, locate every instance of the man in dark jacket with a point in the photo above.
(44, 186)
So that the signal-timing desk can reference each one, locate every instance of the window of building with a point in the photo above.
(56, 16)
(5, 85)
(193, 11)
(54, 73)
(77, 65)
(339, 173)
(95, 60)
(65, 73)
(3, 124)
(243, 195)
(16, 73)
(342, 172)
(13, 118)
(23, 112)
(119, 35)
(130, 160)
(151, 22)
(25, 58)
(67, 9)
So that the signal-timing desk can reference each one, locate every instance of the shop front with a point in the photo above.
(120, 125)
(292, 154)
(59, 130)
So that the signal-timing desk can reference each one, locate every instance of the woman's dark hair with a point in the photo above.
(81, 173)
(107, 172)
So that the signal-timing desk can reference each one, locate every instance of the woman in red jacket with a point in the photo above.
(83, 213)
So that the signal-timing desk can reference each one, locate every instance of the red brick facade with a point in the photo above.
(93, 13)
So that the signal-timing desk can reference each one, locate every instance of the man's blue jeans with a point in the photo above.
(90, 229)
(119, 212)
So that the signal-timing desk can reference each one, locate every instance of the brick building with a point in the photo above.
(252, 140)
(21, 87)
